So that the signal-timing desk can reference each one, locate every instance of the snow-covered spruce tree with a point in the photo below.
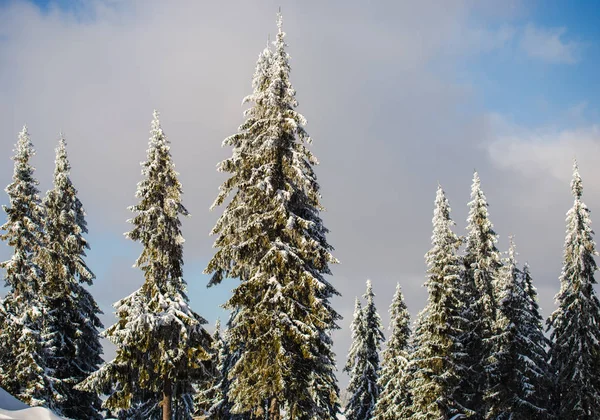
(437, 357)
(516, 367)
(482, 262)
(209, 393)
(162, 348)
(363, 360)
(220, 408)
(575, 352)
(272, 238)
(356, 359)
(22, 361)
(71, 323)
(482, 258)
(540, 345)
(394, 397)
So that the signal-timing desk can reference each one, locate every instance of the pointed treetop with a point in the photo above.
(511, 248)
(439, 196)
(62, 161)
(398, 291)
(218, 325)
(357, 305)
(369, 293)
(476, 182)
(279, 20)
(156, 122)
(510, 267)
(280, 33)
(576, 183)
(24, 147)
(23, 134)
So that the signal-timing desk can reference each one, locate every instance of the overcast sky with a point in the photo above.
(399, 95)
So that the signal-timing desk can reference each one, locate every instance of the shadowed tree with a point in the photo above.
(394, 397)
(517, 367)
(575, 325)
(71, 324)
(363, 360)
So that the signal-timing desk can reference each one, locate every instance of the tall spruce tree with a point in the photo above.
(162, 348)
(517, 365)
(394, 398)
(71, 323)
(438, 355)
(272, 238)
(482, 262)
(363, 359)
(482, 258)
(575, 352)
(22, 359)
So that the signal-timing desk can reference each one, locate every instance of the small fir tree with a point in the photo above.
(394, 397)
(363, 359)
(539, 348)
(575, 325)
(438, 354)
(220, 408)
(162, 348)
(516, 367)
(22, 359)
(71, 324)
(209, 393)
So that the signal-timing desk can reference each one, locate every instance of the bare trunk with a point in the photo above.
(167, 400)
(274, 413)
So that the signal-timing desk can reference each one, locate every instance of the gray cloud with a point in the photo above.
(376, 84)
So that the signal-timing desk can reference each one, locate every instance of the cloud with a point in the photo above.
(545, 151)
(548, 44)
(535, 167)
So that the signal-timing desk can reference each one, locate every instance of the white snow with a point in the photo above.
(13, 409)
(8, 402)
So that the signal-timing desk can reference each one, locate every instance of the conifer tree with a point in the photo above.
(394, 398)
(220, 408)
(540, 345)
(482, 258)
(22, 359)
(272, 238)
(482, 262)
(209, 393)
(517, 365)
(71, 323)
(575, 352)
(437, 359)
(363, 359)
(162, 348)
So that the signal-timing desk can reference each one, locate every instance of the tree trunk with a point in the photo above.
(167, 400)
(274, 413)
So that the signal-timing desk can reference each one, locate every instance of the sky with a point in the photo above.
(399, 96)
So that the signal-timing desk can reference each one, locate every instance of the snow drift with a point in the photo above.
(13, 409)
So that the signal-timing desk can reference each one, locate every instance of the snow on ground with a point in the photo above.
(13, 409)
(8, 402)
